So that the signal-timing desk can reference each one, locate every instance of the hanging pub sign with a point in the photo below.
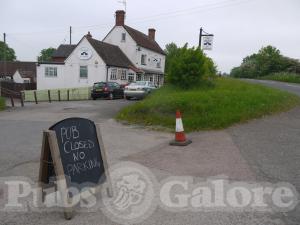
(73, 155)
(207, 42)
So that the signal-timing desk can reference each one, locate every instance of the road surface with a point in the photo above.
(266, 149)
(272, 145)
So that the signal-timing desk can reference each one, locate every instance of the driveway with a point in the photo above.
(261, 150)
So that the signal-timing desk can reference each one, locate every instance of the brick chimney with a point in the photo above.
(151, 33)
(120, 18)
(88, 35)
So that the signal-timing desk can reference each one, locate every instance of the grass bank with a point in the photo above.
(2, 103)
(230, 101)
(284, 77)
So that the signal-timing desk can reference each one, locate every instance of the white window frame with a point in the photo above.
(144, 59)
(50, 71)
(151, 78)
(87, 72)
(113, 74)
(139, 77)
(130, 77)
(123, 74)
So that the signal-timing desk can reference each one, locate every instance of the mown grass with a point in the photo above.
(284, 77)
(230, 101)
(2, 103)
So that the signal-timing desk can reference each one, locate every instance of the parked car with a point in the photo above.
(124, 85)
(138, 89)
(109, 90)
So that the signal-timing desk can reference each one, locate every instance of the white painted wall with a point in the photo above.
(150, 64)
(44, 82)
(17, 77)
(68, 75)
(130, 48)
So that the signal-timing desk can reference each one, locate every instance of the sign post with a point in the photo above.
(73, 155)
(207, 40)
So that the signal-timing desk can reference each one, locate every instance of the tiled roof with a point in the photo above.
(111, 54)
(26, 69)
(63, 51)
(143, 40)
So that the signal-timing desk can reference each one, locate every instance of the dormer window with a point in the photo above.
(123, 37)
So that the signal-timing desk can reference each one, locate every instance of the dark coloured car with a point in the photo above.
(110, 90)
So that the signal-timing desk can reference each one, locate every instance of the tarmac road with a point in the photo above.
(265, 150)
(271, 145)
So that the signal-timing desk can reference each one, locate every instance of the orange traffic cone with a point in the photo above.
(180, 139)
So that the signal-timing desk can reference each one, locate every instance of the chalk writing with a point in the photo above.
(70, 146)
(79, 167)
(80, 151)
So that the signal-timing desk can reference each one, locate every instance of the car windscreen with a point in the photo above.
(140, 83)
(99, 85)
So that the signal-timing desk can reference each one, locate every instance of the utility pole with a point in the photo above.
(4, 39)
(70, 35)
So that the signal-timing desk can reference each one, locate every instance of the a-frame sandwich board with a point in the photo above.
(53, 157)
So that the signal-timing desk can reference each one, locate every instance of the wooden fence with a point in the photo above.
(11, 89)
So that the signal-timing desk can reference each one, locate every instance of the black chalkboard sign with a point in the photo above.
(73, 154)
(80, 152)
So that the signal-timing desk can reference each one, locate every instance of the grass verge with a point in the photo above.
(2, 103)
(230, 101)
(284, 77)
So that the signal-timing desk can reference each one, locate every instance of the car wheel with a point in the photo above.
(111, 96)
(127, 97)
(94, 98)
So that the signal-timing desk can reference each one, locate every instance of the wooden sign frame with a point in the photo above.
(50, 146)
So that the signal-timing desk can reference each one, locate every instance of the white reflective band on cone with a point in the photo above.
(179, 126)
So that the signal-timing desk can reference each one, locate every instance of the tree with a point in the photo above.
(210, 67)
(171, 50)
(189, 67)
(6, 53)
(291, 65)
(46, 55)
(268, 60)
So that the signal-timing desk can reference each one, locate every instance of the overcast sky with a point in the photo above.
(240, 27)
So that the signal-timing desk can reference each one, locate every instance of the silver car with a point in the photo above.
(138, 89)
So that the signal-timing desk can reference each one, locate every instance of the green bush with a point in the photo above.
(188, 67)
(2, 103)
(267, 61)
